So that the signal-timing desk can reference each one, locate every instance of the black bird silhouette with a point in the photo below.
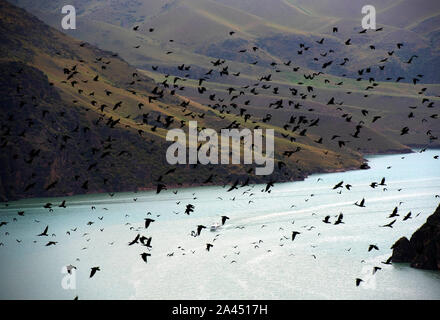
(44, 233)
(294, 234)
(224, 218)
(160, 187)
(375, 269)
(361, 204)
(234, 186)
(135, 240)
(144, 256)
(52, 185)
(148, 241)
(408, 216)
(410, 59)
(339, 185)
(93, 271)
(388, 260)
(394, 213)
(339, 220)
(326, 219)
(209, 246)
(404, 131)
(389, 225)
(200, 228)
(148, 221)
(269, 185)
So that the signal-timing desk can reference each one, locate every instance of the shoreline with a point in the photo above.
(194, 185)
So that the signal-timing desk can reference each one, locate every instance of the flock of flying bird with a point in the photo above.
(298, 125)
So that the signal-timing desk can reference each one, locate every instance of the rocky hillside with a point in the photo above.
(291, 40)
(77, 119)
(277, 26)
(423, 249)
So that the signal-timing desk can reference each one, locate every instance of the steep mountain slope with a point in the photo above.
(77, 119)
(197, 24)
(379, 81)
(54, 138)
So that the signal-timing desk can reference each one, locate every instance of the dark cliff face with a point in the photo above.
(423, 249)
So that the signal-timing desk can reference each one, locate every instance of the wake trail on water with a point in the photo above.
(338, 205)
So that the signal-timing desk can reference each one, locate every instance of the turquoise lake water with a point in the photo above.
(253, 256)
